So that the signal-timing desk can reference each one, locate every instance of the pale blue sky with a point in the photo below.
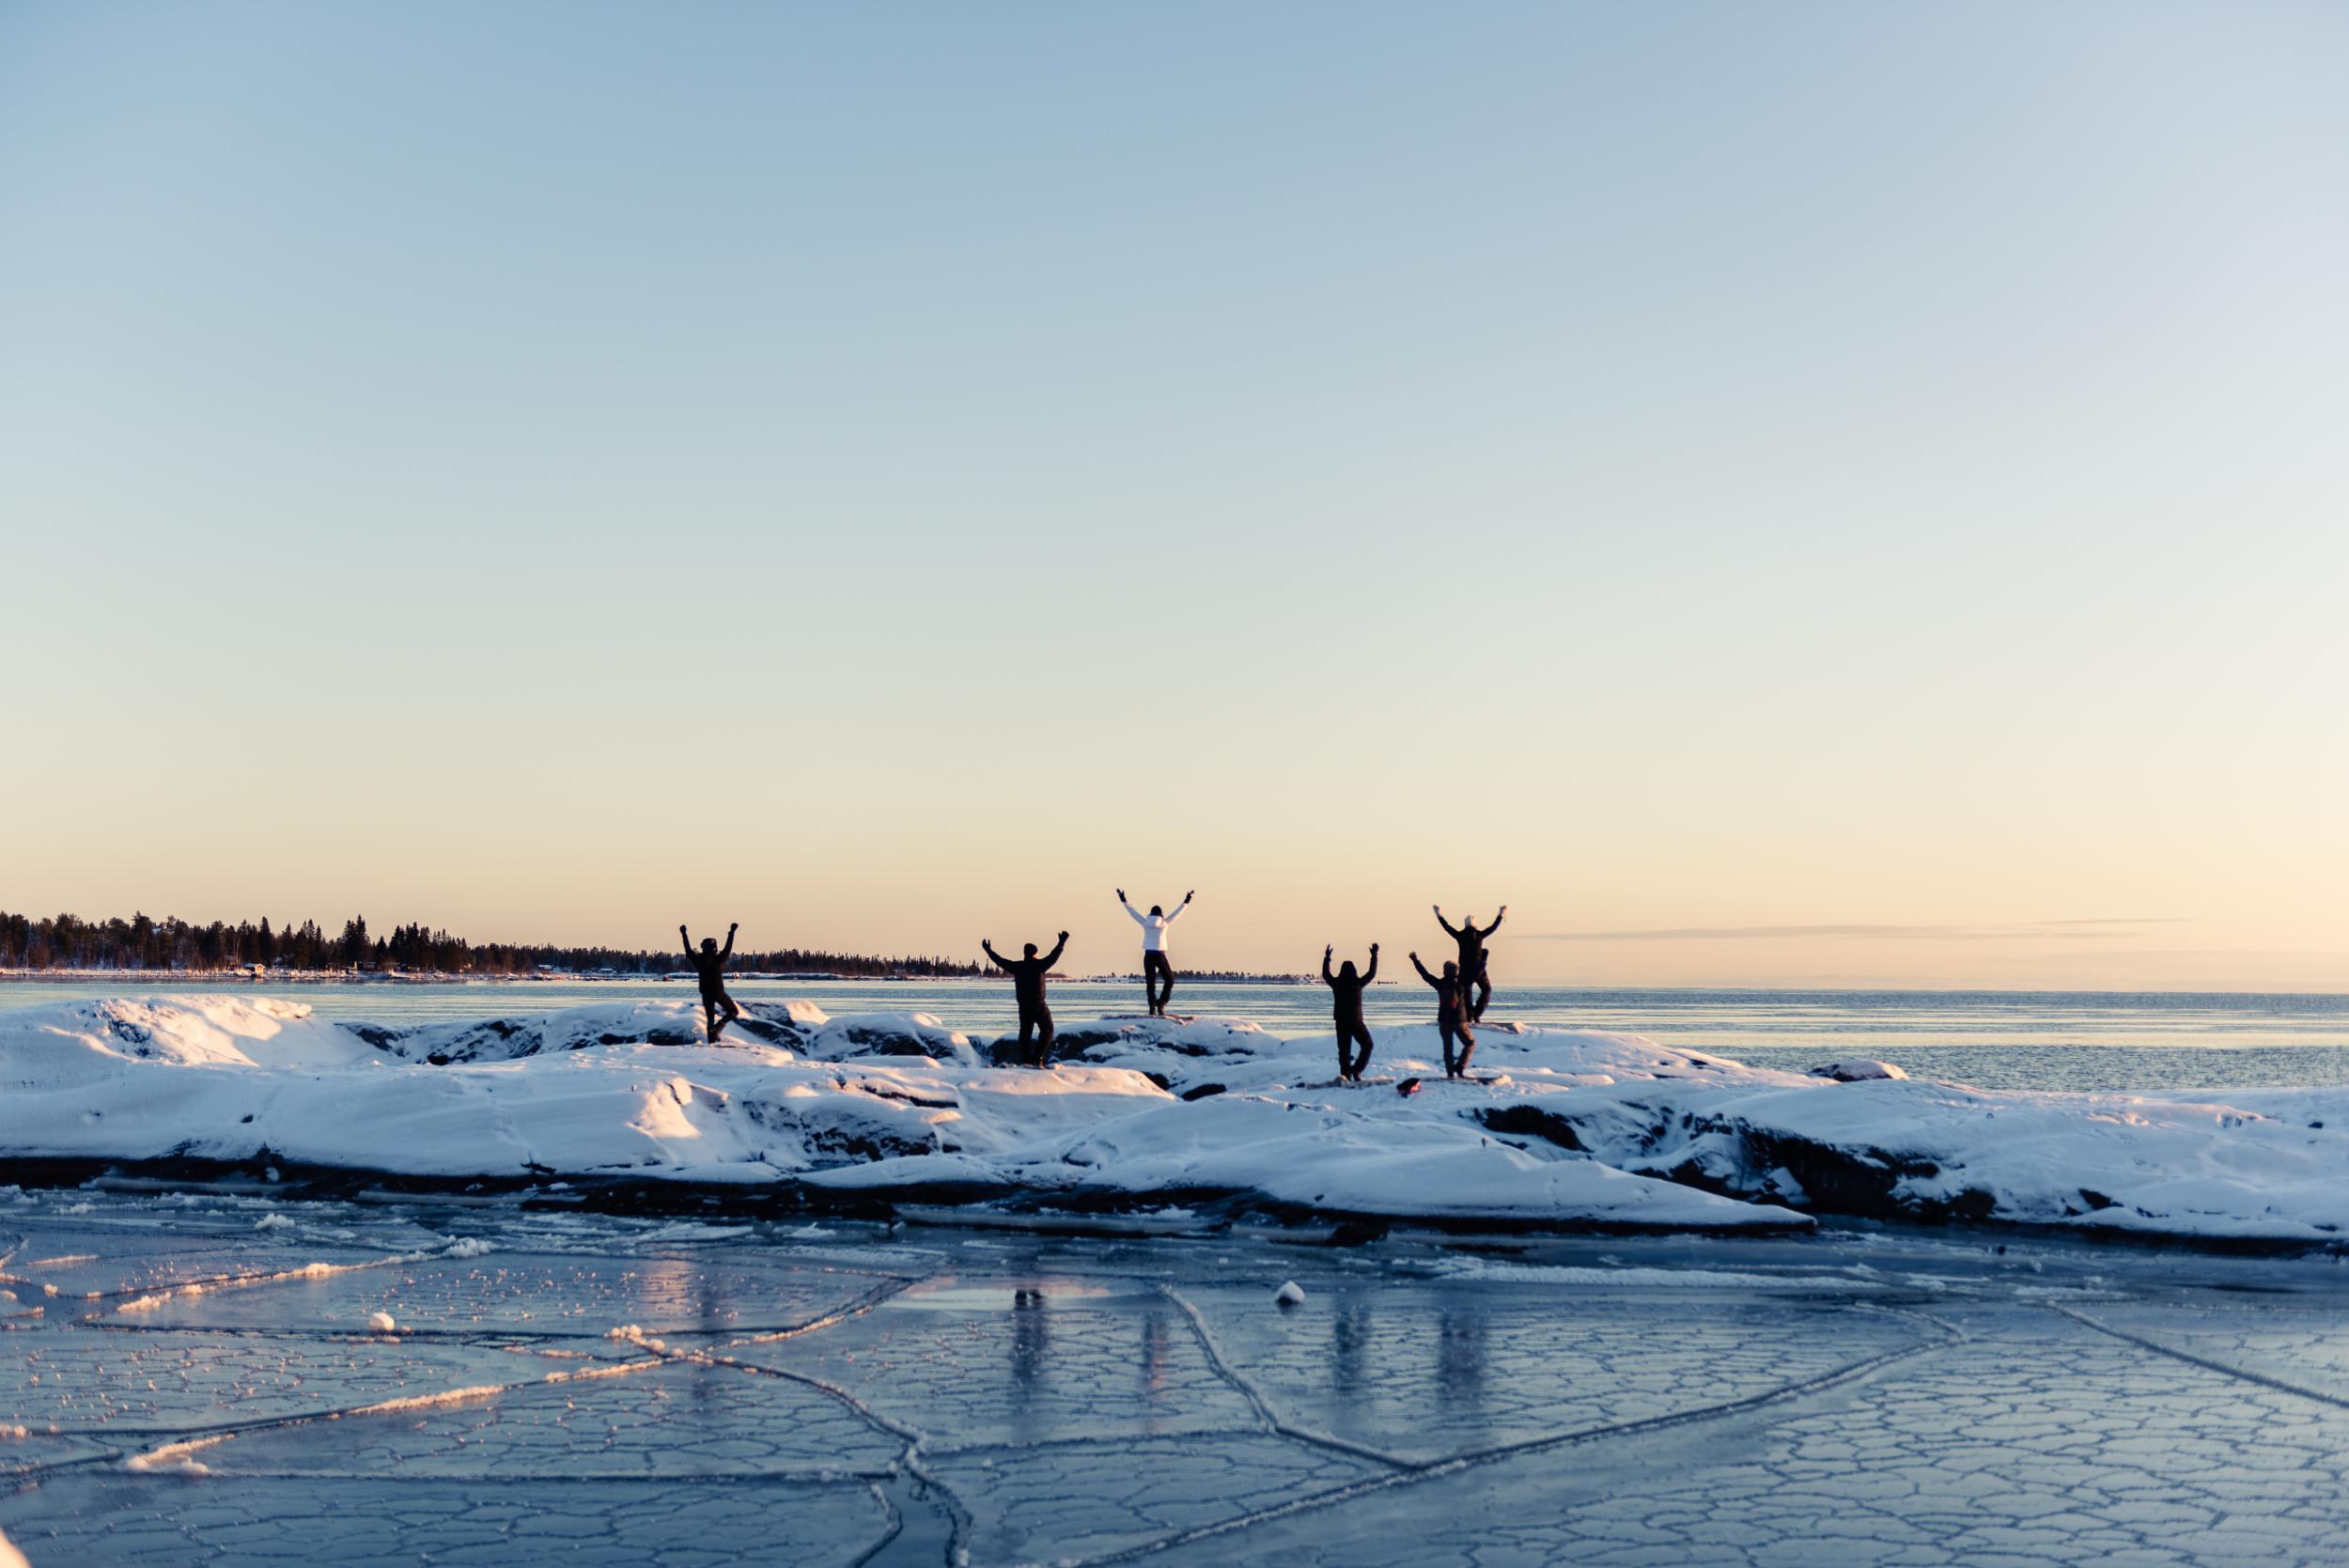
(1668, 467)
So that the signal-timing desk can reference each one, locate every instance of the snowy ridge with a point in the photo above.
(1565, 1127)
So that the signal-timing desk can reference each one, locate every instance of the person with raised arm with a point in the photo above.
(709, 967)
(1450, 1016)
(1158, 971)
(1475, 964)
(1027, 987)
(1346, 1002)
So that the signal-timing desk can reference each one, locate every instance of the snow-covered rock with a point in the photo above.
(1559, 1126)
(1168, 1049)
(1858, 1072)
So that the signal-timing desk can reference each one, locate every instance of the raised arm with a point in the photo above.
(1422, 971)
(1448, 929)
(1053, 957)
(1178, 910)
(989, 948)
(728, 951)
(1372, 973)
(1327, 978)
(1140, 919)
(1498, 917)
(687, 939)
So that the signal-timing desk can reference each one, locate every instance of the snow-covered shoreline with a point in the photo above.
(1570, 1129)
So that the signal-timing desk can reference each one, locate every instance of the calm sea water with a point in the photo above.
(2005, 1040)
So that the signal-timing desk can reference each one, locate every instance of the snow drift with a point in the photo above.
(1563, 1128)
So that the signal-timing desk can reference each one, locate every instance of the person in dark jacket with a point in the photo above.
(1451, 1018)
(1475, 965)
(1027, 974)
(709, 967)
(1346, 1002)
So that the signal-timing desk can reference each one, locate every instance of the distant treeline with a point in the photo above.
(141, 942)
(1230, 977)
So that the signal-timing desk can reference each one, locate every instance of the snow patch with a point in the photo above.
(175, 1458)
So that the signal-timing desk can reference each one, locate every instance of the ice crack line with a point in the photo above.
(1272, 1419)
(913, 1437)
(894, 1285)
(1917, 1315)
(1415, 1472)
(204, 1436)
(2204, 1362)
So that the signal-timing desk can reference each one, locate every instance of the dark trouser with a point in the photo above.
(1352, 1031)
(713, 1002)
(1450, 1025)
(1484, 990)
(1157, 980)
(1038, 1021)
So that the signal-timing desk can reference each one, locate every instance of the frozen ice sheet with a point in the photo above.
(174, 1519)
(1085, 1498)
(846, 1396)
(2059, 1446)
(676, 1419)
(112, 1383)
(1423, 1370)
(564, 1294)
(1023, 1360)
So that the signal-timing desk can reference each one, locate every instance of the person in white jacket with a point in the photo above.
(1158, 972)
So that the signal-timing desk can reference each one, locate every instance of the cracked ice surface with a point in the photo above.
(1419, 1371)
(595, 1390)
(505, 1293)
(2067, 1448)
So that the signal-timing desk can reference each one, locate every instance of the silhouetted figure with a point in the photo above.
(1027, 974)
(1158, 971)
(709, 967)
(1450, 1021)
(1346, 1002)
(1473, 962)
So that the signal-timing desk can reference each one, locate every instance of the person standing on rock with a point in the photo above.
(1158, 971)
(1027, 987)
(709, 967)
(1451, 1014)
(1346, 1001)
(1475, 970)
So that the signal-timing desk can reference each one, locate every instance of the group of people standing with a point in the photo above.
(1464, 988)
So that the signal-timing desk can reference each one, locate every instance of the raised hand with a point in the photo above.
(1064, 936)
(1374, 947)
(1328, 948)
(1191, 894)
(1439, 909)
(1121, 895)
(732, 926)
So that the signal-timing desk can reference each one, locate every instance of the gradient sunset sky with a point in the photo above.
(1802, 494)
